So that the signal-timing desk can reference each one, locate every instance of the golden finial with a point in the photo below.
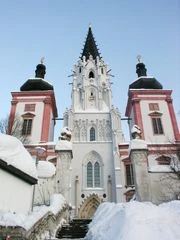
(139, 57)
(42, 60)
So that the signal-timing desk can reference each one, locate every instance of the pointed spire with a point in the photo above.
(90, 47)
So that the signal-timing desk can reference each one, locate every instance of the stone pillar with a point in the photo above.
(63, 168)
(77, 191)
(138, 157)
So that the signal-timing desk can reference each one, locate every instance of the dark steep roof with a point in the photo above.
(36, 84)
(90, 47)
(146, 83)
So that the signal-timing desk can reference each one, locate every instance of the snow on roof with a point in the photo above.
(137, 144)
(66, 130)
(63, 145)
(136, 220)
(33, 78)
(42, 144)
(13, 153)
(160, 168)
(45, 169)
(26, 221)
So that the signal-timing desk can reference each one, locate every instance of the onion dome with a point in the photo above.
(144, 81)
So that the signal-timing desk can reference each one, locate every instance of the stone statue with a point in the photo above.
(136, 132)
(66, 134)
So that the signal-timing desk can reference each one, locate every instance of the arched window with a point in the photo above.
(89, 175)
(163, 160)
(92, 134)
(96, 174)
(93, 170)
(91, 75)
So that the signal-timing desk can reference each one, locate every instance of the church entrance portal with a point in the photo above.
(89, 206)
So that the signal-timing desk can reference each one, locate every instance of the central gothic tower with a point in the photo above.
(96, 133)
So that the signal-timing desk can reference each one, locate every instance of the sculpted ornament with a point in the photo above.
(136, 132)
(66, 134)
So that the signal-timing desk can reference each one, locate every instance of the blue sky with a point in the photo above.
(57, 30)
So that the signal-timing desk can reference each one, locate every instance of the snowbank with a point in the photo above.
(136, 221)
(45, 169)
(28, 220)
(13, 153)
(63, 145)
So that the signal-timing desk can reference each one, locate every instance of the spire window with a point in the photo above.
(96, 174)
(91, 74)
(89, 175)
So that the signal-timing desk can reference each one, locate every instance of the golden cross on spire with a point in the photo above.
(139, 57)
(42, 60)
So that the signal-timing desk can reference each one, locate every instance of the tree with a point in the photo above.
(16, 129)
(172, 179)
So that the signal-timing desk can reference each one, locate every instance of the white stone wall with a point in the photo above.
(15, 194)
(164, 187)
(43, 190)
(37, 120)
(92, 107)
(165, 119)
(104, 152)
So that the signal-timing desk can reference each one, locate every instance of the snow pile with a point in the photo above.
(66, 131)
(64, 140)
(13, 153)
(63, 145)
(57, 202)
(45, 169)
(137, 144)
(28, 220)
(160, 168)
(136, 220)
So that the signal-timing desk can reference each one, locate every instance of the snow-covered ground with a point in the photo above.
(136, 221)
(26, 221)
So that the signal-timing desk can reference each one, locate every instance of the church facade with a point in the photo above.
(96, 132)
(100, 167)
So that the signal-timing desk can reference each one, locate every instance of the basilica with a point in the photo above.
(101, 166)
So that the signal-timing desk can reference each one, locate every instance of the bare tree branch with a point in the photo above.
(16, 129)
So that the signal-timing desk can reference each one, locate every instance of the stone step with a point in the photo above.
(77, 228)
